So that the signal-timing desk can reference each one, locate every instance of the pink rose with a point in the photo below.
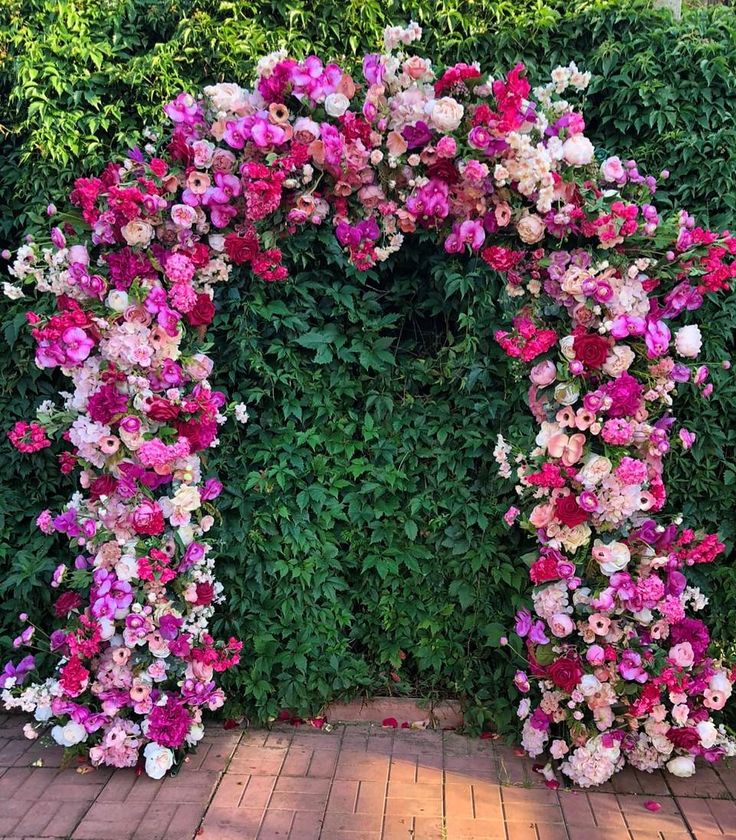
(682, 655)
(543, 374)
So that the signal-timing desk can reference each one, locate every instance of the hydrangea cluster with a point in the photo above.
(595, 275)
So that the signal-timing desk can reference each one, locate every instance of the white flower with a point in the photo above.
(688, 341)
(118, 300)
(13, 292)
(708, 733)
(578, 150)
(445, 114)
(70, 734)
(30, 732)
(241, 413)
(336, 104)
(682, 766)
(613, 557)
(158, 760)
(137, 232)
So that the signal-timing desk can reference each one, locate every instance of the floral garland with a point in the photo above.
(620, 669)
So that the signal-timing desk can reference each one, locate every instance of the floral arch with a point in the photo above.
(616, 669)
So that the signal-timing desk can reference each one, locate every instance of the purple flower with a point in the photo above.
(630, 667)
(417, 136)
(523, 623)
(17, 672)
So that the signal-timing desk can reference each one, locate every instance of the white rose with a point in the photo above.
(688, 341)
(195, 734)
(127, 567)
(187, 498)
(618, 360)
(217, 242)
(336, 104)
(158, 760)
(226, 96)
(446, 114)
(137, 232)
(566, 347)
(70, 734)
(594, 470)
(682, 766)
(708, 733)
(567, 393)
(589, 684)
(118, 300)
(578, 150)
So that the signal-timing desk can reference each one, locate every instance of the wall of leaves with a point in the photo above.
(361, 544)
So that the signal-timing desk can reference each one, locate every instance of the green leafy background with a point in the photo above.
(361, 543)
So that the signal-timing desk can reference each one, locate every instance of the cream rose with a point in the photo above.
(573, 538)
(682, 766)
(594, 470)
(446, 114)
(567, 393)
(227, 97)
(578, 150)
(530, 228)
(619, 359)
(137, 232)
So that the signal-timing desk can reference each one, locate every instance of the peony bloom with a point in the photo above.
(445, 114)
(578, 150)
(682, 766)
(688, 341)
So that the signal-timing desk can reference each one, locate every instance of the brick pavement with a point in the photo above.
(351, 783)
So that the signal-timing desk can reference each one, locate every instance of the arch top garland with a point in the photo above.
(617, 668)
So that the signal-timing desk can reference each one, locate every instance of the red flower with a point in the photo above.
(65, 603)
(205, 594)
(569, 512)
(162, 410)
(241, 249)
(202, 313)
(565, 673)
(591, 349)
(74, 677)
(684, 737)
(147, 518)
(104, 485)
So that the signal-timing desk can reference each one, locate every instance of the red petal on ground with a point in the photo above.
(390, 723)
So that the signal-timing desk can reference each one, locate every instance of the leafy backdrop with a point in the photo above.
(360, 543)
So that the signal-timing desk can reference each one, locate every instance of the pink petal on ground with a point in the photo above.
(651, 805)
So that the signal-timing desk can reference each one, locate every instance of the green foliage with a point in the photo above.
(361, 544)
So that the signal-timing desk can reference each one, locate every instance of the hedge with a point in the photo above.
(361, 543)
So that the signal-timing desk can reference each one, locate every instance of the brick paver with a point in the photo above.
(349, 783)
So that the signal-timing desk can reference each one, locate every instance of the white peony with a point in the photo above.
(158, 760)
(578, 150)
(682, 766)
(336, 104)
(688, 341)
(446, 114)
(70, 734)
(708, 733)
